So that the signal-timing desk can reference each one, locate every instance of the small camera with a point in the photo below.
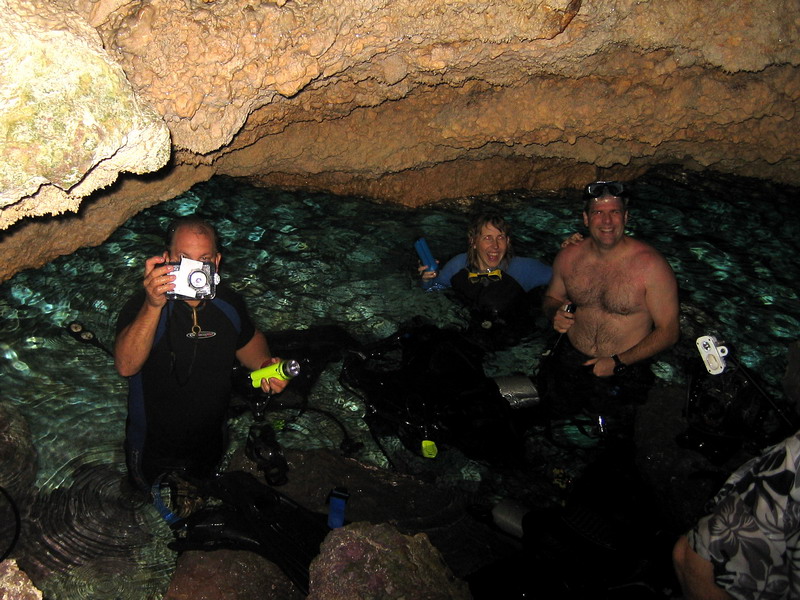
(194, 280)
(712, 353)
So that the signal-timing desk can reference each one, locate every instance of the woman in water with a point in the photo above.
(491, 281)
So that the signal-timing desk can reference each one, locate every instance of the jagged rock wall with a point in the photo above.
(409, 101)
(70, 120)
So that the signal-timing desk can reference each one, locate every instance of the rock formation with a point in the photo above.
(107, 107)
(363, 560)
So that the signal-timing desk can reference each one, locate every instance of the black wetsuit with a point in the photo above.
(570, 389)
(488, 299)
(177, 403)
(499, 306)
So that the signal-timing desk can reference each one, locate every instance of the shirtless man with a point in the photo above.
(626, 310)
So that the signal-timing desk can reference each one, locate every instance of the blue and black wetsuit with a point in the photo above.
(177, 403)
(494, 300)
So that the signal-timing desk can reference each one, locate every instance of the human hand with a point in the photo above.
(158, 280)
(564, 319)
(575, 238)
(602, 366)
(273, 385)
(423, 271)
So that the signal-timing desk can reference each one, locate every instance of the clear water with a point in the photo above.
(311, 259)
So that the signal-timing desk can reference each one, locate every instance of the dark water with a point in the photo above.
(303, 260)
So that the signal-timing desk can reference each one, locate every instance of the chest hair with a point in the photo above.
(614, 289)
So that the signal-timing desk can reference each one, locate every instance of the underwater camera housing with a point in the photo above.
(194, 280)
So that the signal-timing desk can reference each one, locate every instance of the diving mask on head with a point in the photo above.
(495, 275)
(598, 189)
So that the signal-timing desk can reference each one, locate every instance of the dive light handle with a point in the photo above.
(283, 370)
(425, 255)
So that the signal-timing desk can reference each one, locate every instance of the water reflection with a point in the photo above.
(303, 260)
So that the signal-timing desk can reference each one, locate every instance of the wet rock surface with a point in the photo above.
(370, 561)
(229, 575)
(16, 585)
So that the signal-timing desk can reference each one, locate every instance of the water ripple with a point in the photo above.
(87, 527)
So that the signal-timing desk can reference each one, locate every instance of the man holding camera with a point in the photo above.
(178, 350)
(625, 298)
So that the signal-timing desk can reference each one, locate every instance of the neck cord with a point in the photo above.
(194, 336)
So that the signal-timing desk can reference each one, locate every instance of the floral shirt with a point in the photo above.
(752, 535)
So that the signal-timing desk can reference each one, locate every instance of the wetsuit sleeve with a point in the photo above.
(443, 279)
(129, 310)
(529, 273)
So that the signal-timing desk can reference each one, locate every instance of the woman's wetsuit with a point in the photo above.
(493, 300)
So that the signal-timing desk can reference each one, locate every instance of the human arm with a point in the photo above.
(135, 340)
(556, 300)
(442, 278)
(254, 355)
(695, 574)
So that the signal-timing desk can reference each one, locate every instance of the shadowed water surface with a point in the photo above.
(302, 260)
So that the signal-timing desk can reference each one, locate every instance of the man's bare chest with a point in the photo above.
(612, 289)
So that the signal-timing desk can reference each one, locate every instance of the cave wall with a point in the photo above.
(412, 101)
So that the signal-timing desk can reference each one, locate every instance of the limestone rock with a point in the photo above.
(15, 584)
(411, 101)
(69, 119)
(229, 575)
(377, 561)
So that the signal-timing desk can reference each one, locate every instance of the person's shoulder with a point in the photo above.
(647, 260)
(571, 252)
(642, 251)
(130, 309)
(454, 265)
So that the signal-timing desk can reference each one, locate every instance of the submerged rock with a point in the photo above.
(229, 575)
(15, 584)
(364, 561)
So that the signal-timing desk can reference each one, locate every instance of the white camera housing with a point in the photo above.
(712, 353)
(194, 280)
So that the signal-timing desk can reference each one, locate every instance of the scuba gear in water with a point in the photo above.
(726, 407)
(262, 447)
(607, 520)
(79, 332)
(255, 517)
(427, 386)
